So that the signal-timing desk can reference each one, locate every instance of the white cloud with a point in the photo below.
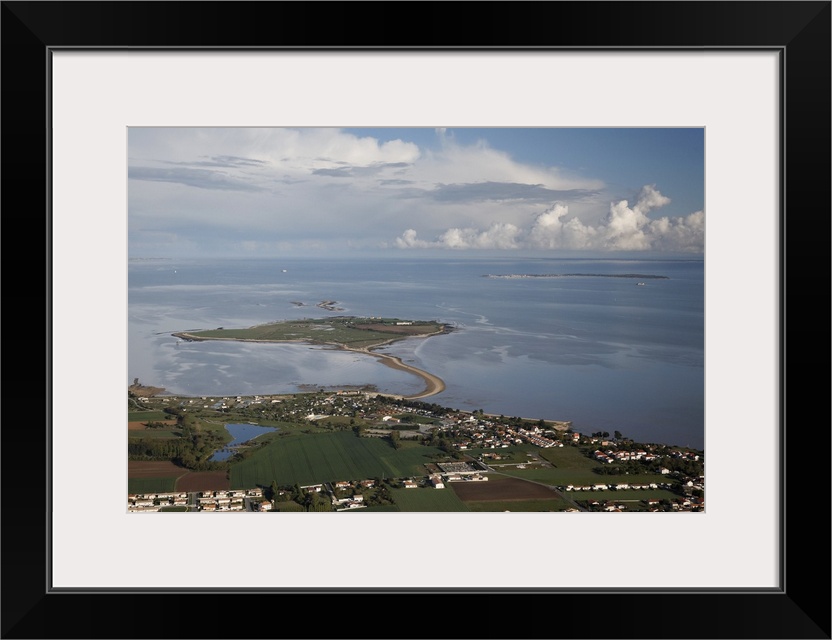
(266, 191)
(624, 228)
(497, 236)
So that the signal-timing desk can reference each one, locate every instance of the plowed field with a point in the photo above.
(204, 481)
(500, 488)
(153, 469)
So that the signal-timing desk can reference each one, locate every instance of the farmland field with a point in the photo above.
(153, 434)
(571, 466)
(510, 455)
(328, 457)
(204, 480)
(431, 500)
(153, 469)
(150, 485)
(624, 495)
(145, 416)
(152, 476)
(500, 488)
(526, 506)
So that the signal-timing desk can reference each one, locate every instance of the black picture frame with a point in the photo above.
(799, 31)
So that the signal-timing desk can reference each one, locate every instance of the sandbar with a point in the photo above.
(433, 384)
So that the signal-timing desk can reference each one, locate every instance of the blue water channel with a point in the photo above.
(240, 433)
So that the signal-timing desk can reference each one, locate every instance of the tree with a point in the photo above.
(618, 435)
(395, 438)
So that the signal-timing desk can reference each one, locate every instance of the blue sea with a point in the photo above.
(602, 352)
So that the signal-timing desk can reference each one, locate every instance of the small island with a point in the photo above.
(342, 332)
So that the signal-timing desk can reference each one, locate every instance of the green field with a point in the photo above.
(626, 495)
(568, 458)
(148, 434)
(145, 416)
(564, 477)
(329, 457)
(347, 331)
(150, 485)
(510, 455)
(417, 419)
(431, 500)
(571, 466)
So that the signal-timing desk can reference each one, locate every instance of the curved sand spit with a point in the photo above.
(433, 384)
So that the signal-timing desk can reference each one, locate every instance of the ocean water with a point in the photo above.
(603, 352)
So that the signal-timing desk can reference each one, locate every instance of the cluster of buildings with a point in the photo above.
(610, 455)
(155, 501)
(621, 486)
(231, 500)
(654, 505)
(535, 436)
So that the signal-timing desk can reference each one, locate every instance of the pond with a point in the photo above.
(240, 433)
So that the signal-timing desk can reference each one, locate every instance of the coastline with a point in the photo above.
(433, 384)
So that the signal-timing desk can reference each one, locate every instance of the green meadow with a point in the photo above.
(428, 499)
(347, 331)
(329, 457)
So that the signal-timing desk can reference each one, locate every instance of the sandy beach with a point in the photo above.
(433, 384)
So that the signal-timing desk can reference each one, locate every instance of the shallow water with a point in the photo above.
(602, 352)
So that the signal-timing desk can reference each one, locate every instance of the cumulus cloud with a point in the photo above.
(261, 190)
(624, 228)
(497, 236)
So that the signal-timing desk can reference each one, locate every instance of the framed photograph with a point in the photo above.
(175, 149)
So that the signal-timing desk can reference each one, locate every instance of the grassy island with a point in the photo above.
(343, 332)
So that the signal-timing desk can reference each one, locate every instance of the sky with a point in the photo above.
(274, 192)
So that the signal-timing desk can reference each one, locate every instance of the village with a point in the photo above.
(475, 445)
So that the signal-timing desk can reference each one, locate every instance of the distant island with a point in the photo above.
(341, 332)
(639, 276)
